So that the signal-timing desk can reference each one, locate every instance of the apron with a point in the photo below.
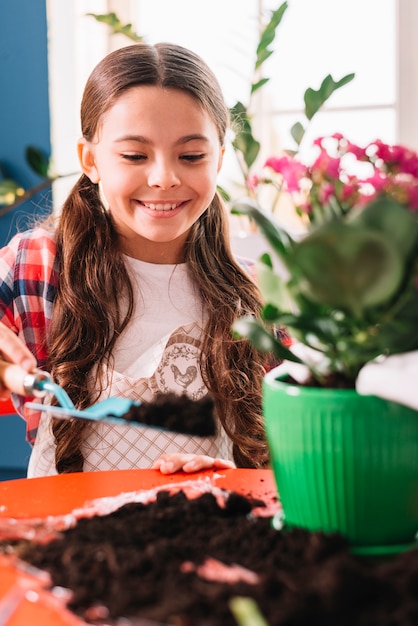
(170, 365)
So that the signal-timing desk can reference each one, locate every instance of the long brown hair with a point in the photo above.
(87, 317)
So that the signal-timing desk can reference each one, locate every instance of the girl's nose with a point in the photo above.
(162, 174)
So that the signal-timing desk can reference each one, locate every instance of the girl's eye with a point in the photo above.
(133, 157)
(192, 157)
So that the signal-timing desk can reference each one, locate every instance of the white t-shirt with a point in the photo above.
(159, 351)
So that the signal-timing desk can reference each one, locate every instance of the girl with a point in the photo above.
(134, 290)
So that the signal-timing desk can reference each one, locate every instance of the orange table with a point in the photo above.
(59, 495)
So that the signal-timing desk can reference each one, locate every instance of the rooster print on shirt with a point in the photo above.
(179, 369)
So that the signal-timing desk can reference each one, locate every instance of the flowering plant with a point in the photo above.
(348, 287)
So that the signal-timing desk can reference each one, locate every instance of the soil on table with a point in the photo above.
(142, 561)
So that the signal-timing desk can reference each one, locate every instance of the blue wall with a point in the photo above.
(24, 120)
(24, 103)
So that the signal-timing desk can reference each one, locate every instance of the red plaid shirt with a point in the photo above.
(28, 283)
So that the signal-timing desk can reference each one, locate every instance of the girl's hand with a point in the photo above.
(189, 463)
(392, 378)
(15, 362)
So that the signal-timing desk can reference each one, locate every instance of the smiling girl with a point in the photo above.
(134, 290)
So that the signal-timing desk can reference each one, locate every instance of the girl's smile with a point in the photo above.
(156, 156)
(167, 206)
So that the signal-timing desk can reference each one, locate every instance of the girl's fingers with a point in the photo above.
(14, 350)
(11, 379)
(189, 463)
(15, 362)
(223, 464)
(201, 463)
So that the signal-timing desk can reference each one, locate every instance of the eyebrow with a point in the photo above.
(144, 140)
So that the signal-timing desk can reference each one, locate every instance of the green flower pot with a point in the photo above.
(344, 463)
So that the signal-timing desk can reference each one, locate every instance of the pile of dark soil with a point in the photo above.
(177, 413)
(133, 562)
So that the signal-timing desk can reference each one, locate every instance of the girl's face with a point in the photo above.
(157, 155)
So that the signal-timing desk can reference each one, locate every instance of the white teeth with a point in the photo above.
(160, 207)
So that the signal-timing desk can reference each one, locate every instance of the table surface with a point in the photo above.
(59, 495)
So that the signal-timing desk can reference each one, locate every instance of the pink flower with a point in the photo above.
(377, 181)
(252, 182)
(305, 207)
(359, 153)
(277, 163)
(345, 174)
(350, 192)
(327, 166)
(291, 170)
(325, 193)
(318, 141)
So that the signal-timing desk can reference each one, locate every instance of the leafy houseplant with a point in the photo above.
(348, 293)
(351, 287)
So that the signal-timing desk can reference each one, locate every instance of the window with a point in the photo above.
(316, 37)
(323, 37)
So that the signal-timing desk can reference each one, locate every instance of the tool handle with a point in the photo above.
(34, 383)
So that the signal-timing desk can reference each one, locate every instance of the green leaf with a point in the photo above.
(248, 146)
(262, 56)
(273, 287)
(397, 332)
(348, 267)
(244, 141)
(325, 329)
(262, 339)
(268, 35)
(259, 84)
(112, 20)
(223, 193)
(394, 220)
(297, 132)
(270, 284)
(315, 99)
(279, 239)
(238, 113)
(270, 314)
(266, 259)
(38, 162)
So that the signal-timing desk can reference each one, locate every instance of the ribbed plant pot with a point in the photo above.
(344, 463)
